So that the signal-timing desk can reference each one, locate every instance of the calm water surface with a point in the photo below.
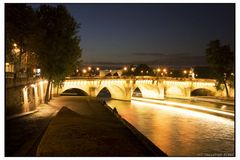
(179, 132)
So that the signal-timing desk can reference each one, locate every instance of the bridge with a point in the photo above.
(153, 87)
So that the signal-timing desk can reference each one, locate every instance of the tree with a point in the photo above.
(222, 61)
(20, 29)
(57, 44)
(143, 70)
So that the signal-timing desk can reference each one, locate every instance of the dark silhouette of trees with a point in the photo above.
(20, 29)
(57, 43)
(143, 70)
(222, 61)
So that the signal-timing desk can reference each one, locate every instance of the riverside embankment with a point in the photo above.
(85, 127)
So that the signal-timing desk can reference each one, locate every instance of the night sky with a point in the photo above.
(156, 34)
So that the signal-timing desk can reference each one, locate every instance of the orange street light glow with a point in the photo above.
(84, 71)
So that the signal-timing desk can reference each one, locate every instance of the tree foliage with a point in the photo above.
(222, 61)
(20, 29)
(143, 70)
(50, 32)
(58, 44)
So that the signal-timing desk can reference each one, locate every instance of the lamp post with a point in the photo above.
(158, 71)
(185, 73)
(84, 71)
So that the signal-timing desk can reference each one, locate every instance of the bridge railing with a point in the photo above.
(142, 78)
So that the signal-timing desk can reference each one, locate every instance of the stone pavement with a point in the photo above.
(85, 127)
(23, 131)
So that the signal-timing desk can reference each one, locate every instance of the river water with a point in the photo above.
(177, 131)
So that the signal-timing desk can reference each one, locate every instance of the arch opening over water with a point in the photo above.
(74, 92)
(116, 74)
(202, 92)
(137, 93)
(104, 93)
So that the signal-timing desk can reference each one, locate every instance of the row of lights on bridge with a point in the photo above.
(158, 70)
(84, 70)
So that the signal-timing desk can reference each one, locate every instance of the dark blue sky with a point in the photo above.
(164, 34)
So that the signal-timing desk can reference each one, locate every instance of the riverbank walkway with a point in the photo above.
(85, 127)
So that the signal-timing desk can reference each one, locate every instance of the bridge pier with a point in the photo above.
(161, 92)
(187, 92)
(92, 91)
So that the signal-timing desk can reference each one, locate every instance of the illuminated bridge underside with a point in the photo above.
(151, 88)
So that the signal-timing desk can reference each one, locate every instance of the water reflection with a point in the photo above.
(180, 132)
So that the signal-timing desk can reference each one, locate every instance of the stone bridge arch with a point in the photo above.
(149, 90)
(208, 87)
(82, 85)
(202, 92)
(117, 92)
(74, 91)
(175, 91)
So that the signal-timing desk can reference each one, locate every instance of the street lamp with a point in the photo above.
(89, 68)
(97, 68)
(84, 71)
(185, 72)
(125, 68)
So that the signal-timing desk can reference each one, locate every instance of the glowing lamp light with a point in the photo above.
(164, 70)
(132, 69)
(158, 70)
(84, 71)
(185, 71)
(14, 44)
(97, 69)
(89, 68)
(125, 68)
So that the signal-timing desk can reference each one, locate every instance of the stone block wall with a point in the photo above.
(24, 98)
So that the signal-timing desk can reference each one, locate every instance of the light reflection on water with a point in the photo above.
(180, 132)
